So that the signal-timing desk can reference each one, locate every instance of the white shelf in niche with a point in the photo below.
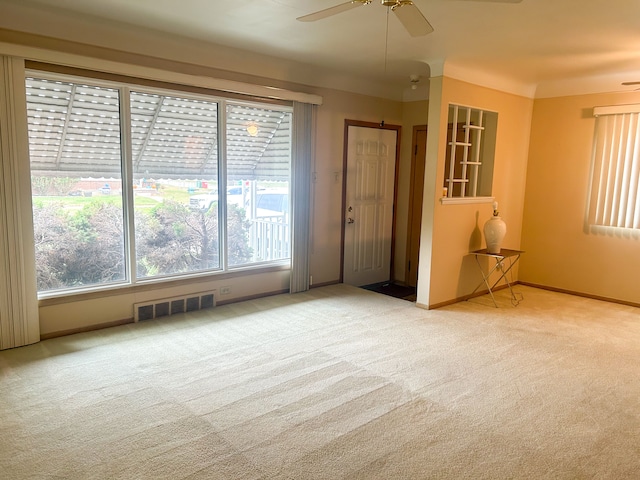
(465, 200)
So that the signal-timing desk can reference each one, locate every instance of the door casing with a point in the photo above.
(416, 188)
(383, 126)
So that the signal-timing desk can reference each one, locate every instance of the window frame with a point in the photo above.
(613, 201)
(124, 89)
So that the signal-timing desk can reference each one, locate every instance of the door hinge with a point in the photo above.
(409, 266)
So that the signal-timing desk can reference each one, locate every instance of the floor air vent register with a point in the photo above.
(171, 306)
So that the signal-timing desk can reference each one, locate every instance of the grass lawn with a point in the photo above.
(77, 202)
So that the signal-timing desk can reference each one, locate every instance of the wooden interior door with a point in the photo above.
(369, 197)
(416, 189)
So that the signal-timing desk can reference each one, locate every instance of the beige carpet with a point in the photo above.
(335, 383)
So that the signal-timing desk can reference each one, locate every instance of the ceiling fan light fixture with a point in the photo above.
(401, 3)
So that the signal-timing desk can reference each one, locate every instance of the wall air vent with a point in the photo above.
(171, 306)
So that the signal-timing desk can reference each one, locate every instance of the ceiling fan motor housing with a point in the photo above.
(395, 3)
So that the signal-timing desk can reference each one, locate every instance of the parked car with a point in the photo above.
(203, 201)
(272, 203)
(269, 203)
(237, 196)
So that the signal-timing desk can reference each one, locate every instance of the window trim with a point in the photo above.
(66, 296)
(615, 162)
(124, 87)
(47, 60)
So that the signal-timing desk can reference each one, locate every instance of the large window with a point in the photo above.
(615, 181)
(135, 184)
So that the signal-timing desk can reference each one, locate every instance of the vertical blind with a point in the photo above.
(19, 322)
(303, 147)
(614, 199)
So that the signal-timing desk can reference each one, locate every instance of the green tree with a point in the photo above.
(174, 238)
(87, 248)
(82, 249)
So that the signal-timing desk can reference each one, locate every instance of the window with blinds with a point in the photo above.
(614, 199)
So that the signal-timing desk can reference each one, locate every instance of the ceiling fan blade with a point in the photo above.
(327, 12)
(411, 17)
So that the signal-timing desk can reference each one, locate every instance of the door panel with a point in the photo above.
(371, 156)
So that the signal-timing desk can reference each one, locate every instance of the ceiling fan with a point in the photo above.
(406, 11)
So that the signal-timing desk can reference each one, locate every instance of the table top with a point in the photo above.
(504, 253)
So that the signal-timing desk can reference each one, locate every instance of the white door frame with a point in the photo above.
(382, 126)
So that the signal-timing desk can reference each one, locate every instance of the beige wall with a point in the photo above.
(560, 251)
(456, 229)
(327, 199)
(81, 312)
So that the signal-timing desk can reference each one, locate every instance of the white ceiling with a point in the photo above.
(550, 45)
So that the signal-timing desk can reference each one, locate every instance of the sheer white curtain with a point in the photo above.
(19, 323)
(303, 147)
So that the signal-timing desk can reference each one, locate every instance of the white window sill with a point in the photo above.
(465, 200)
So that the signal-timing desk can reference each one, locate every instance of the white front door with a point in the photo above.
(368, 216)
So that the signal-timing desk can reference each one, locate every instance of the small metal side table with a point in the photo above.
(505, 260)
